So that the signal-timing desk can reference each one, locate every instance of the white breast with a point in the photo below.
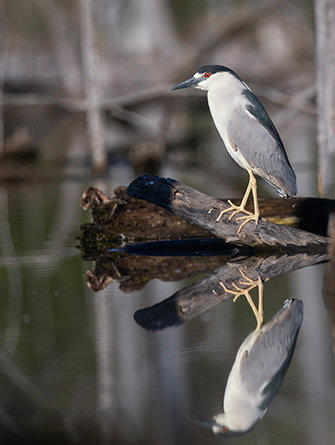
(241, 408)
(223, 97)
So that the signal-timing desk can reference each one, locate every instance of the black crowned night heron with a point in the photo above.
(258, 371)
(247, 132)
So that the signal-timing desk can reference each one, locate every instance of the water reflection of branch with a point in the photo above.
(12, 332)
(28, 393)
(133, 272)
(105, 372)
(192, 301)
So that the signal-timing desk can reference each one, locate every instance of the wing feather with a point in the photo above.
(255, 135)
(265, 365)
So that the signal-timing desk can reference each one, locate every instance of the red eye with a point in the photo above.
(207, 75)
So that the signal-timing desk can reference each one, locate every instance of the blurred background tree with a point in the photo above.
(325, 41)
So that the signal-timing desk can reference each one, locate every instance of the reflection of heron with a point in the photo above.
(259, 368)
(247, 132)
(250, 284)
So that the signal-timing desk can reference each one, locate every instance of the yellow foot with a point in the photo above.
(238, 291)
(234, 209)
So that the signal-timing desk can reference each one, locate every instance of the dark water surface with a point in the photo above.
(75, 362)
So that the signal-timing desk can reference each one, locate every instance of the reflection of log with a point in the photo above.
(201, 209)
(133, 272)
(193, 300)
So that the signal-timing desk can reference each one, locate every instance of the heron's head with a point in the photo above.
(230, 425)
(221, 425)
(220, 428)
(206, 76)
(217, 425)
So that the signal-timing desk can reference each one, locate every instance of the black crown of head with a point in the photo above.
(213, 69)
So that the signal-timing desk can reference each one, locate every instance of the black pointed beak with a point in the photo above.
(205, 424)
(186, 84)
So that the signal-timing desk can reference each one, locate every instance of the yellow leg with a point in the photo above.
(249, 216)
(251, 284)
(237, 209)
(255, 215)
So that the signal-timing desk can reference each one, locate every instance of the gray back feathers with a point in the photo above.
(265, 366)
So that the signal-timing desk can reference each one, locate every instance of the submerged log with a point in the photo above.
(201, 209)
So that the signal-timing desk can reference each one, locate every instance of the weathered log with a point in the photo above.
(129, 219)
(309, 214)
(201, 209)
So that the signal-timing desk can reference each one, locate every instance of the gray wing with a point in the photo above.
(253, 132)
(265, 365)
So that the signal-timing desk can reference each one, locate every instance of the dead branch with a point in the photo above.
(296, 103)
(249, 16)
(68, 63)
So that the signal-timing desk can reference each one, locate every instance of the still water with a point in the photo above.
(76, 366)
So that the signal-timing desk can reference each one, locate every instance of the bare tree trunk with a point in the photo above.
(2, 122)
(94, 118)
(4, 50)
(325, 58)
(66, 57)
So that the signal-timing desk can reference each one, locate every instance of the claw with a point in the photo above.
(235, 210)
